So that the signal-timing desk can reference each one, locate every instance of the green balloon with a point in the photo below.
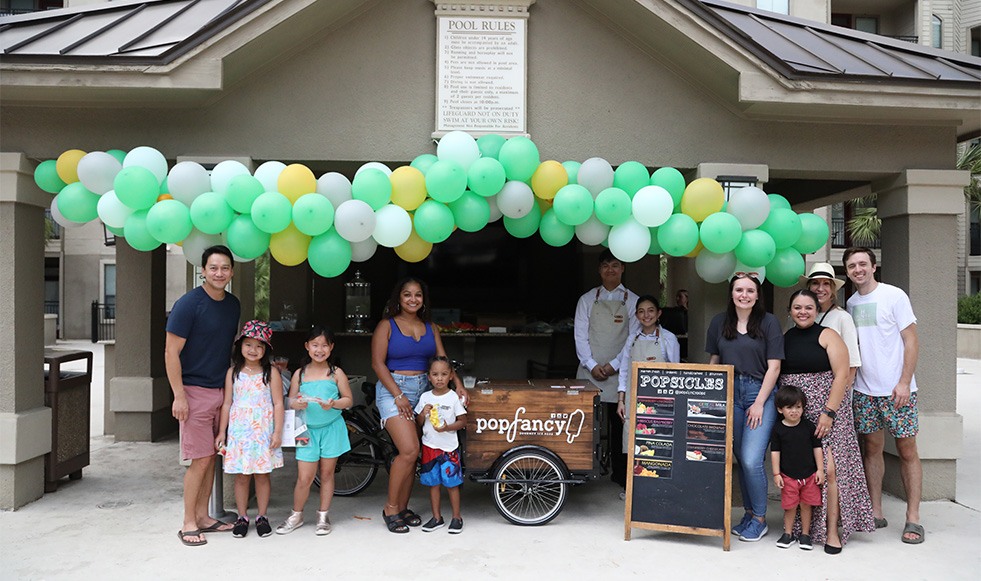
(169, 221)
(424, 162)
(678, 236)
(121, 232)
(313, 214)
(490, 145)
(778, 201)
(720, 232)
(671, 180)
(78, 204)
(244, 239)
(272, 212)
(553, 231)
(814, 233)
(242, 191)
(210, 213)
(783, 226)
(572, 168)
(756, 248)
(119, 154)
(655, 248)
(446, 181)
(164, 187)
(46, 177)
(526, 225)
(433, 221)
(786, 268)
(329, 255)
(573, 205)
(137, 187)
(136, 233)
(486, 176)
(372, 187)
(630, 176)
(520, 158)
(613, 206)
(471, 212)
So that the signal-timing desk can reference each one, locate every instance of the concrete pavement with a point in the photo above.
(121, 521)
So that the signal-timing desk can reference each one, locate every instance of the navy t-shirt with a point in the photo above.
(748, 355)
(209, 328)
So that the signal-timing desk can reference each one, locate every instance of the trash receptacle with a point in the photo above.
(68, 394)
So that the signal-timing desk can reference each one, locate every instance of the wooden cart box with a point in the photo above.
(506, 414)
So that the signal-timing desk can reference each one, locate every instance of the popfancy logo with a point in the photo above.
(569, 423)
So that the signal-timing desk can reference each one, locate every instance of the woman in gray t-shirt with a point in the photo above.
(748, 338)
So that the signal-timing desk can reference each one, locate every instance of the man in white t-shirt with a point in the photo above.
(885, 389)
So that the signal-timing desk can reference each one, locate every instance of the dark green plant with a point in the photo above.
(262, 287)
(969, 309)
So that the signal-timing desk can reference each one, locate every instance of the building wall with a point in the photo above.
(83, 254)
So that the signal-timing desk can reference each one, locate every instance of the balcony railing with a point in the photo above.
(912, 39)
(840, 238)
(975, 239)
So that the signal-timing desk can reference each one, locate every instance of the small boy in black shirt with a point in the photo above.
(796, 455)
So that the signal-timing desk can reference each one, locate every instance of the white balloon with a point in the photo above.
(740, 267)
(336, 187)
(97, 170)
(354, 220)
(515, 199)
(112, 212)
(630, 240)
(374, 165)
(495, 212)
(224, 172)
(197, 242)
(188, 180)
(458, 146)
(148, 158)
(393, 226)
(652, 206)
(58, 218)
(362, 251)
(592, 231)
(595, 174)
(750, 206)
(268, 175)
(715, 268)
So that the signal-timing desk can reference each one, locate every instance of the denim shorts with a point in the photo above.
(411, 385)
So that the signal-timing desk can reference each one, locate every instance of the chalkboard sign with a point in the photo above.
(680, 449)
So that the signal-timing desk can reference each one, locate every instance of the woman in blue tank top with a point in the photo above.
(401, 347)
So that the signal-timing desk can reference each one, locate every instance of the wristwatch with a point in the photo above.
(830, 413)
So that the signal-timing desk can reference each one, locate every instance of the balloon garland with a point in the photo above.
(330, 221)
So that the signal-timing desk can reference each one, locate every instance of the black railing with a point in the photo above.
(975, 239)
(103, 322)
(838, 233)
(912, 39)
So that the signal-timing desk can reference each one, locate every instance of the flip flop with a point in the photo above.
(880, 523)
(215, 527)
(182, 535)
(916, 529)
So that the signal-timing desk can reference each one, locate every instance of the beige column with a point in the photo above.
(25, 423)
(915, 208)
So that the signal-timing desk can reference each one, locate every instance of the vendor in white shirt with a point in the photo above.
(604, 319)
(652, 343)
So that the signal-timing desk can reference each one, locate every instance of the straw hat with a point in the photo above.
(822, 270)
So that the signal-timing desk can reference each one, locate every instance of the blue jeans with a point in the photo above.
(411, 385)
(750, 445)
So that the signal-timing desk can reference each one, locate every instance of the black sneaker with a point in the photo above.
(785, 540)
(456, 526)
(262, 526)
(805, 542)
(433, 524)
(241, 527)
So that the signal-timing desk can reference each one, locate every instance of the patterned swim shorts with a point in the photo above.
(440, 467)
(873, 413)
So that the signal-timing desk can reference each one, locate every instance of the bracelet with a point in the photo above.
(399, 396)
(830, 413)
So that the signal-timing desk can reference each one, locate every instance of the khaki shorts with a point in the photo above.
(199, 430)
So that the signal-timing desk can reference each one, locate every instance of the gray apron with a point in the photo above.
(608, 330)
(647, 352)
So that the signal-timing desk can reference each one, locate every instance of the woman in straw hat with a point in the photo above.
(821, 281)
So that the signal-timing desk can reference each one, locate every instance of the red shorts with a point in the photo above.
(199, 430)
(796, 492)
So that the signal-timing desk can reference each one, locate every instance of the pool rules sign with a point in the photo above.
(679, 452)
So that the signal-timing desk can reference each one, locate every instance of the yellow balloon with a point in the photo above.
(67, 165)
(415, 249)
(408, 187)
(694, 253)
(702, 198)
(295, 181)
(548, 179)
(289, 247)
(544, 205)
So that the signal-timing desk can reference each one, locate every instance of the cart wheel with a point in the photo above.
(356, 469)
(537, 494)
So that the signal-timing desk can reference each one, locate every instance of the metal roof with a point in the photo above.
(144, 31)
(806, 49)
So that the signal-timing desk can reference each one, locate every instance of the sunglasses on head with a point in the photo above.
(753, 275)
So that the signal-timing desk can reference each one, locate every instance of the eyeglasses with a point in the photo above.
(754, 275)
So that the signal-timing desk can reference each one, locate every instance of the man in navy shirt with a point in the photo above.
(200, 332)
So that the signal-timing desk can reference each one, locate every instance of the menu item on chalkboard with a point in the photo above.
(650, 448)
(705, 453)
(654, 427)
(702, 408)
(652, 468)
(706, 431)
(655, 406)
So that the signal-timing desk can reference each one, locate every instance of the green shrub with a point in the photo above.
(969, 309)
